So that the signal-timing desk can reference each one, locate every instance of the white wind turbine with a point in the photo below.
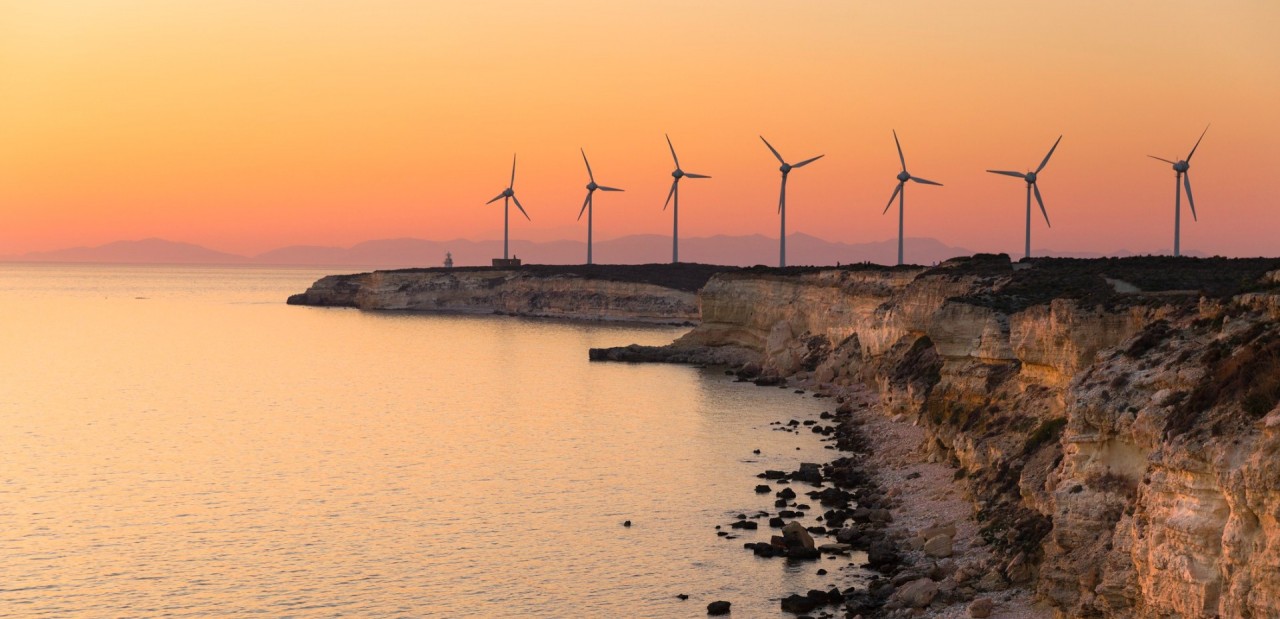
(587, 204)
(1182, 179)
(1031, 177)
(785, 168)
(675, 193)
(507, 196)
(900, 193)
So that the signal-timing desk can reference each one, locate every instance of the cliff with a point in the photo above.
(1116, 420)
(664, 294)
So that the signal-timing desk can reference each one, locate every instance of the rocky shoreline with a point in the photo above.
(902, 520)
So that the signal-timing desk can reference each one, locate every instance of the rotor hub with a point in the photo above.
(507, 193)
(903, 176)
(678, 173)
(786, 167)
(592, 186)
(1031, 178)
(1181, 166)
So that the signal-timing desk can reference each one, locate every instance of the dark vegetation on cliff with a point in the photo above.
(687, 277)
(1041, 280)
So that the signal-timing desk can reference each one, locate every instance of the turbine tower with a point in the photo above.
(675, 193)
(785, 168)
(1031, 178)
(1182, 179)
(586, 204)
(507, 196)
(900, 193)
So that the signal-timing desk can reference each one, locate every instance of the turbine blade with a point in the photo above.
(670, 193)
(517, 201)
(891, 198)
(1186, 183)
(927, 182)
(496, 198)
(1193, 148)
(689, 175)
(773, 150)
(1041, 201)
(584, 160)
(901, 159)
(673, 151)
(808, 161)
(584, 206)
(1046, 157)
(603, 188)
(512, 184)
(1008, 173)
(1163, 159)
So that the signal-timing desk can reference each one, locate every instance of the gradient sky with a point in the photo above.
(245, 125)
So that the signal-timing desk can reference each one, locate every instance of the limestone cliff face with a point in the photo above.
(1126, 445)
(514, 292)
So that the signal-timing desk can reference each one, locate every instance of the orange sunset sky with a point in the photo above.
(246, 125)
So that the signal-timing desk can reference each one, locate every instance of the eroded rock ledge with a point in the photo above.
(1116, 420)
(664, 294)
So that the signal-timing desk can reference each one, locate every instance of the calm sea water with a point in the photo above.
(176, 441)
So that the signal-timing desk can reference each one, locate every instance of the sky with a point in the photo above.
(245, 125)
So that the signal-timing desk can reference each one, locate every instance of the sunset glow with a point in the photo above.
(244, 125)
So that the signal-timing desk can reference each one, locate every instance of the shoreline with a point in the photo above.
(894, 492)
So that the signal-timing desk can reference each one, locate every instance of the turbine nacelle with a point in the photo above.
(678, 173)
(903, 176)
(1182, 166)
(592, 186)
(507, 193)
(785, 168)
(1031, 178)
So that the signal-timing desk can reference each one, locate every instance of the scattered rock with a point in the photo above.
(683, 596)
(796, 603)
(938, 546)
(763, 489)
(626, 523)
(918, 593)
(981, 608)
(992, 581)
(719, 607)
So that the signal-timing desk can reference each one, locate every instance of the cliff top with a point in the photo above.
(688, 277)
(1111, 281)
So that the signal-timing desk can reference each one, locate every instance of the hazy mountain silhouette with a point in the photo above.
(749, 250)
(145, 251)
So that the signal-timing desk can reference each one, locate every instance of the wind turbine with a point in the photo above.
(785, 168)
(586, 204)
(900, 193)
(1031, 177)
(507, 196)
(675, 193)
(1182, 179)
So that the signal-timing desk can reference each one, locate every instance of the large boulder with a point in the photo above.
(720, 607)
(798, 604)
(798, 541)
(918, 593)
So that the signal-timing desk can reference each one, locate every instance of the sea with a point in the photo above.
(176, 441)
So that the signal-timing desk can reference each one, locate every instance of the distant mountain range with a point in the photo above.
(802, 249)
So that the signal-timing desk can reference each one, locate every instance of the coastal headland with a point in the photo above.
(1079, 437)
